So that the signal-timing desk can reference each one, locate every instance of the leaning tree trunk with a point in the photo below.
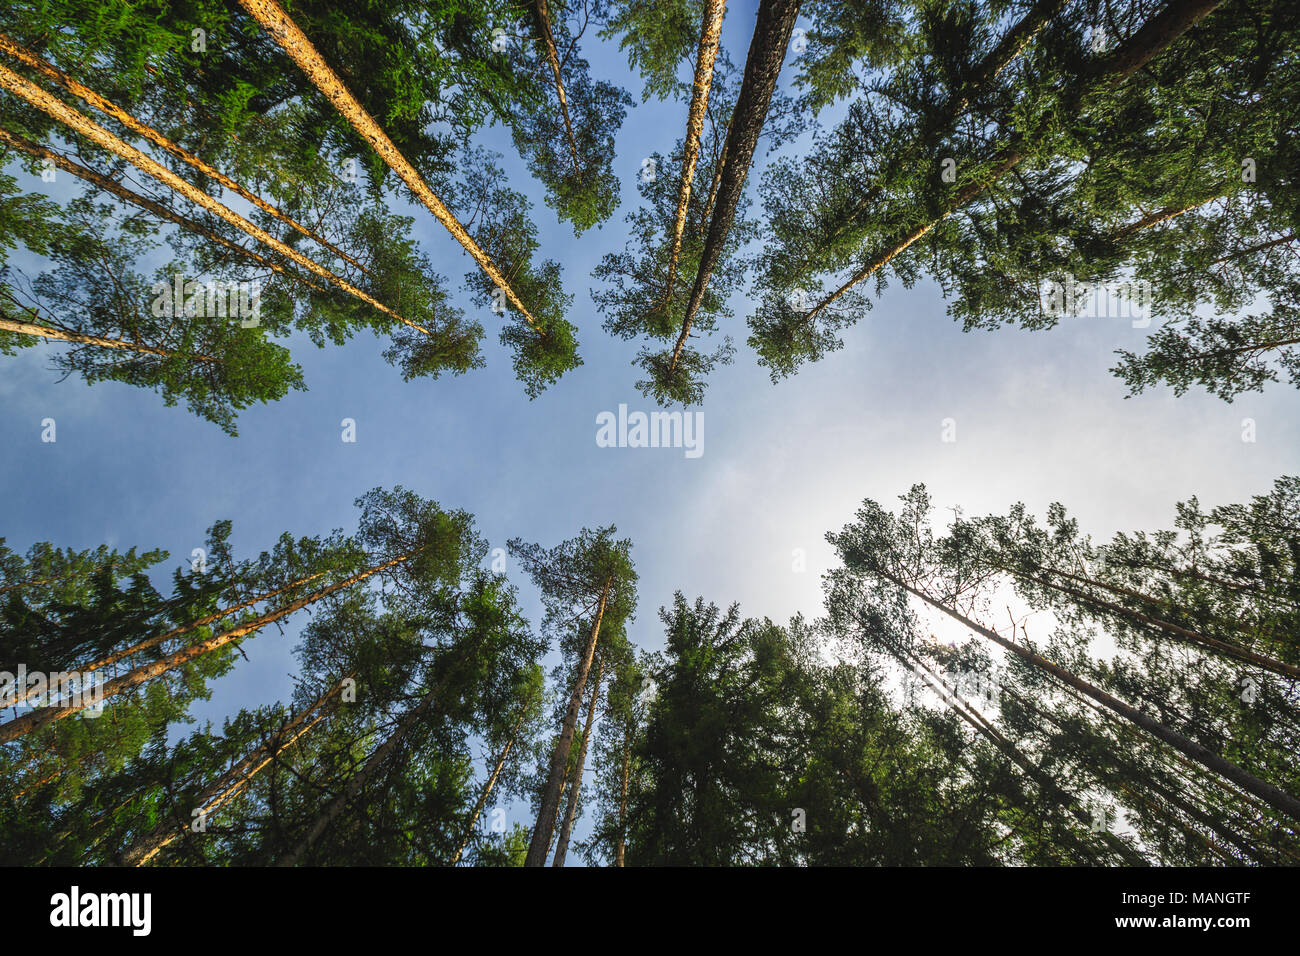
(562, 844)
(294, 42)
(49, 71)
(83, 124)
(762, 68)
(540, 844)
(1274, 796)
(44, 716)
(63, 335)
(710, 33)
(231, 783)
(487, 788)
(158, 209)
(553, 57)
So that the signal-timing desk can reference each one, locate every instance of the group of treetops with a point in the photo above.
(1136, 704)
(996, 147)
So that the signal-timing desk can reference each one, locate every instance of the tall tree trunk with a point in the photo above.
(710, 33)
(159, 210)
(762, 68)
(1272, 795)
(230, 783)
(553, 57)
(487, 788)
(562, 844)
(620, 848)
(294, 42)
(49, 71)
(1151, 40)
(540, 843)
(41, 717)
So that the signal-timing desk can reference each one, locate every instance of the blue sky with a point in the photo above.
(1038, 417)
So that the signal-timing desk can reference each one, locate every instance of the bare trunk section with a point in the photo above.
(49, 71)
(621, 847)
(47, 332)
(540, 844)
(562, 844)
(487, 788)
(36, 719)
(1272, 795)
(295, 43)
(553, 57)
(710, 33)
(1151, 40)
(762, 68)
(231, 783)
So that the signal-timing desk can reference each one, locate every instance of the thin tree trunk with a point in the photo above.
(79, 122)
(710, 33)
(159, 210)
(49, 71)
(41, 717)
(1151, 40)
(540, 844)
(230, 783)
(1195, 637)
(1067, 800)
(553, 57)
(1274, 796)
(337, 805)
(562, 844)
(772, 30)
(195, 625)
(295, 43)
(621, 847)
(62, 335)
(1159, 216)
(487, 788)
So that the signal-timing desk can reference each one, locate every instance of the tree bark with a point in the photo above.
(487, 788)
(772, 30)
(621, 847)
(553, 57)
(295, 43)
(575, 788)
(62, 335)
(540, 844)
(710, 33)
(159, 210)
